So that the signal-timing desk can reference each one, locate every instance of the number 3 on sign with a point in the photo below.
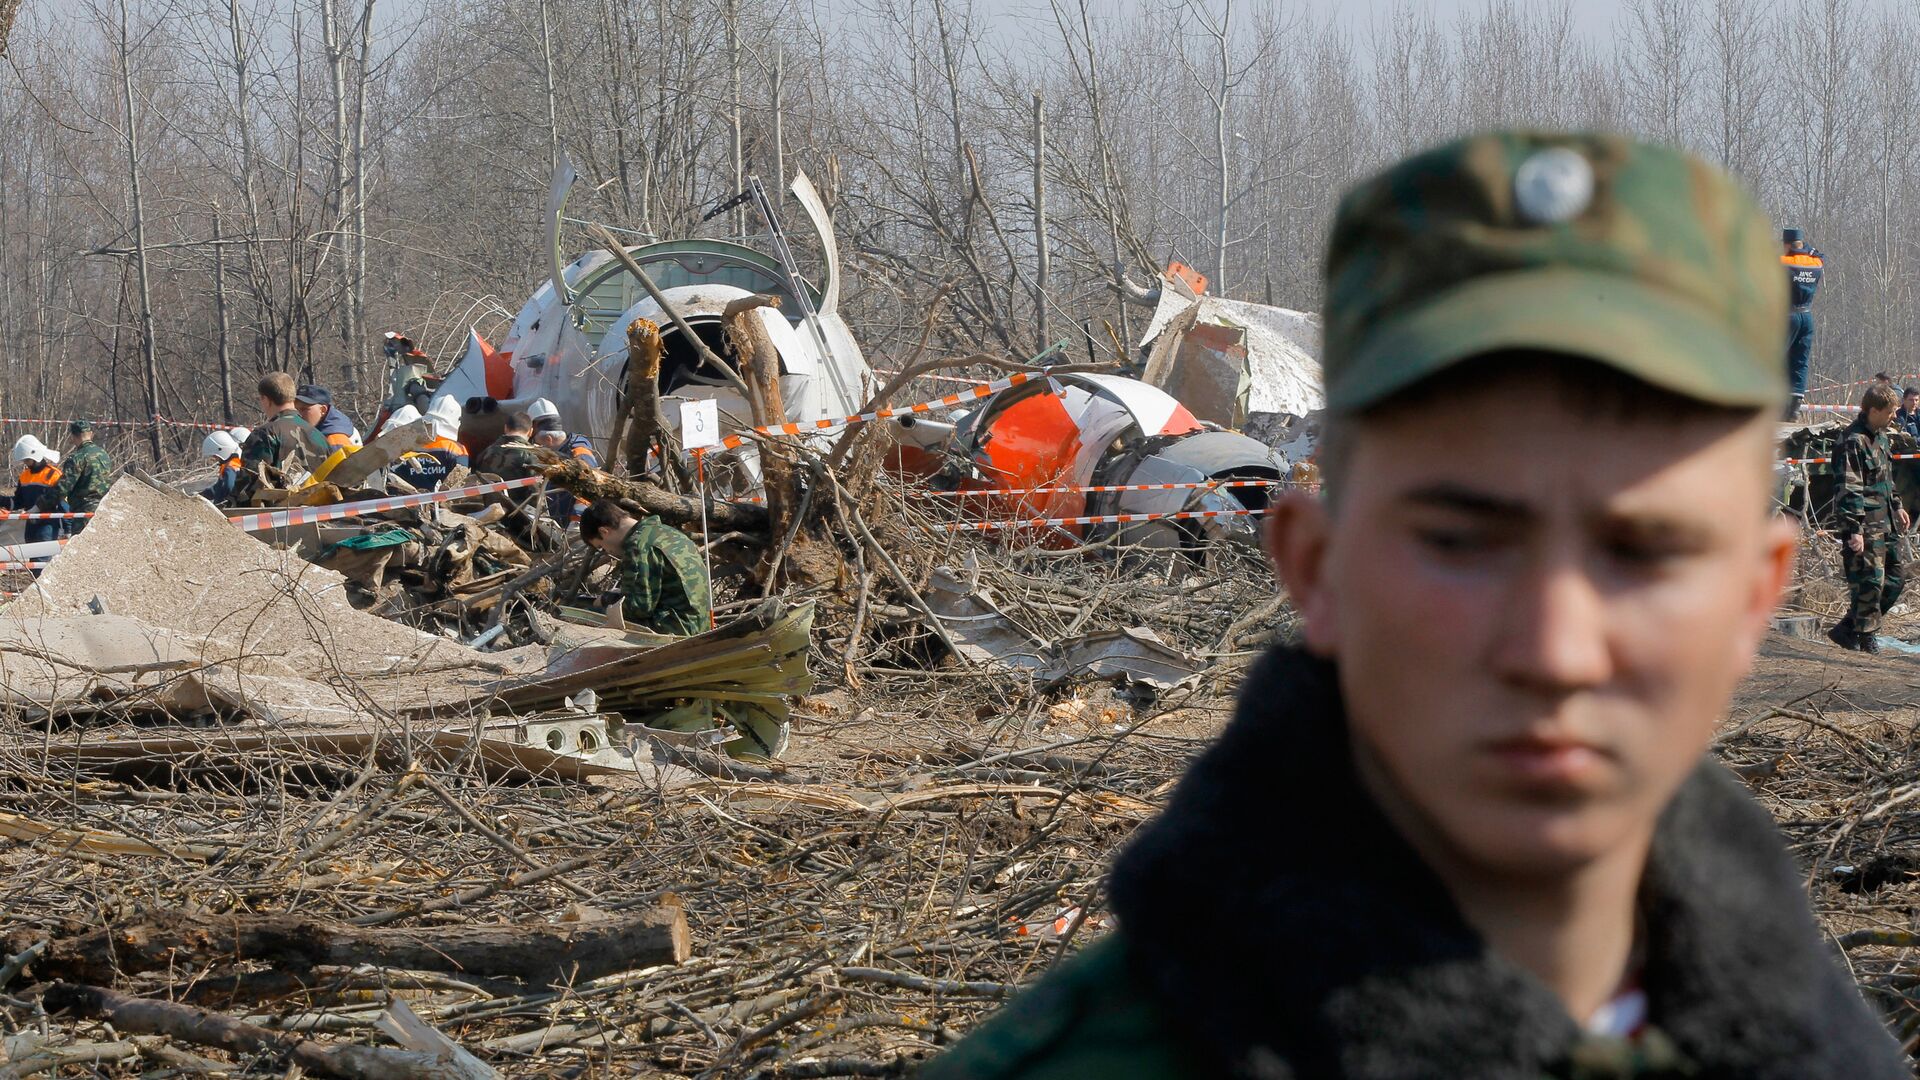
(699, 424)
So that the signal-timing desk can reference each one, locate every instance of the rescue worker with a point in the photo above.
(1869, 520)
(39, 477)
(548, 432)
(281, 452)
(315, 406)
(84, 478)
(417, 469)
(445, 447)
(1908, 418)
(221, 448)
(513, 455)
(1805, 266)
(663, 583)
(1544, 558)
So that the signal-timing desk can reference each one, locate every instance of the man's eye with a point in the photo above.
(1643, 553)
(1456, 541)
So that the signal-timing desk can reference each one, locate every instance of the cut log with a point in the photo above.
(538, 954)
(198, 1026)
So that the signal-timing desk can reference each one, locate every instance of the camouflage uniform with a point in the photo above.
(1867, 506)
(287, 445)
(663, 580)
(511, 458)
(86, 476)
(1249, 950)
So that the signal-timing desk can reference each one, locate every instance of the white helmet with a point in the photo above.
(241, 435)
(28, 447)
(219, 444)
(444, 414)
(401, 417)
(542, 409)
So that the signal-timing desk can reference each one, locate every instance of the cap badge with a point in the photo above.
(1553, 186)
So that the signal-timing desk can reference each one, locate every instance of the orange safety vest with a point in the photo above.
(48, 473)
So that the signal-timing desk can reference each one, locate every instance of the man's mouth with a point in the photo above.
(1549, 760)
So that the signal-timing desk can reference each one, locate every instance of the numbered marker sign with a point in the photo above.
(699, 424)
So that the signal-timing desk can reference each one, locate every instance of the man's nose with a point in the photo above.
(1553, 636)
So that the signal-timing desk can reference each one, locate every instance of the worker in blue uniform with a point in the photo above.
(562, 505)
(1804, 267)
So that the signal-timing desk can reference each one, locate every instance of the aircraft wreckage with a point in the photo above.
(569, 345)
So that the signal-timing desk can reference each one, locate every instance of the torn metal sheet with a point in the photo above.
(987, 636)
(1133, 655)
(1274, 351)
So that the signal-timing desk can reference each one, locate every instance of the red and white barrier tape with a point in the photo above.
(1830, 387)
(12, 515)
(947, 402)
(158, 420)
(1096, 519)
(1098, 488)
(280, 519)
(1829, 461)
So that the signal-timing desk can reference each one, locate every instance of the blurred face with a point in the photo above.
(1538, 616)
(550, 438)
(310, 413)
(1879, 419)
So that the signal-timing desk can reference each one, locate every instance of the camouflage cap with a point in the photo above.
(1639, 257)
(79, 427)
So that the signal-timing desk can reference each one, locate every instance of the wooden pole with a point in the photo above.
(1042, 260)
(779, 136)
(225, 350)
(140, 237)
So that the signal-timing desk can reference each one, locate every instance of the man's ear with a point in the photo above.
(1780, 548)
(1296, 540)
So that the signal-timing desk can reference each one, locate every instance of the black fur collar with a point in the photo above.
(1290, 932)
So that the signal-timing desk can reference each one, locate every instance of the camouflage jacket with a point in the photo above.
(1273, 925)
(663, 580)
(287, 446)
(511, 458)
(1865, 500)
(88, 473)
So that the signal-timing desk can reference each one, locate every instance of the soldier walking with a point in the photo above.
(1870, 520)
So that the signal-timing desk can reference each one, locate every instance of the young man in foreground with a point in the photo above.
(1469, 827)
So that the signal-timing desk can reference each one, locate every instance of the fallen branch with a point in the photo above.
(202, 1028)
(538, 953)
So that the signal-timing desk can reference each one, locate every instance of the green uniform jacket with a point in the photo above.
(88, 473)
(288, 445)
(511, 458)
(1274, 925)
(664, 581)
(1865, 501)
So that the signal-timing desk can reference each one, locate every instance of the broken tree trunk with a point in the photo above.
(198, 1026)
(759, 361)
(644, 350)
(678, 510)
(539, 954)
